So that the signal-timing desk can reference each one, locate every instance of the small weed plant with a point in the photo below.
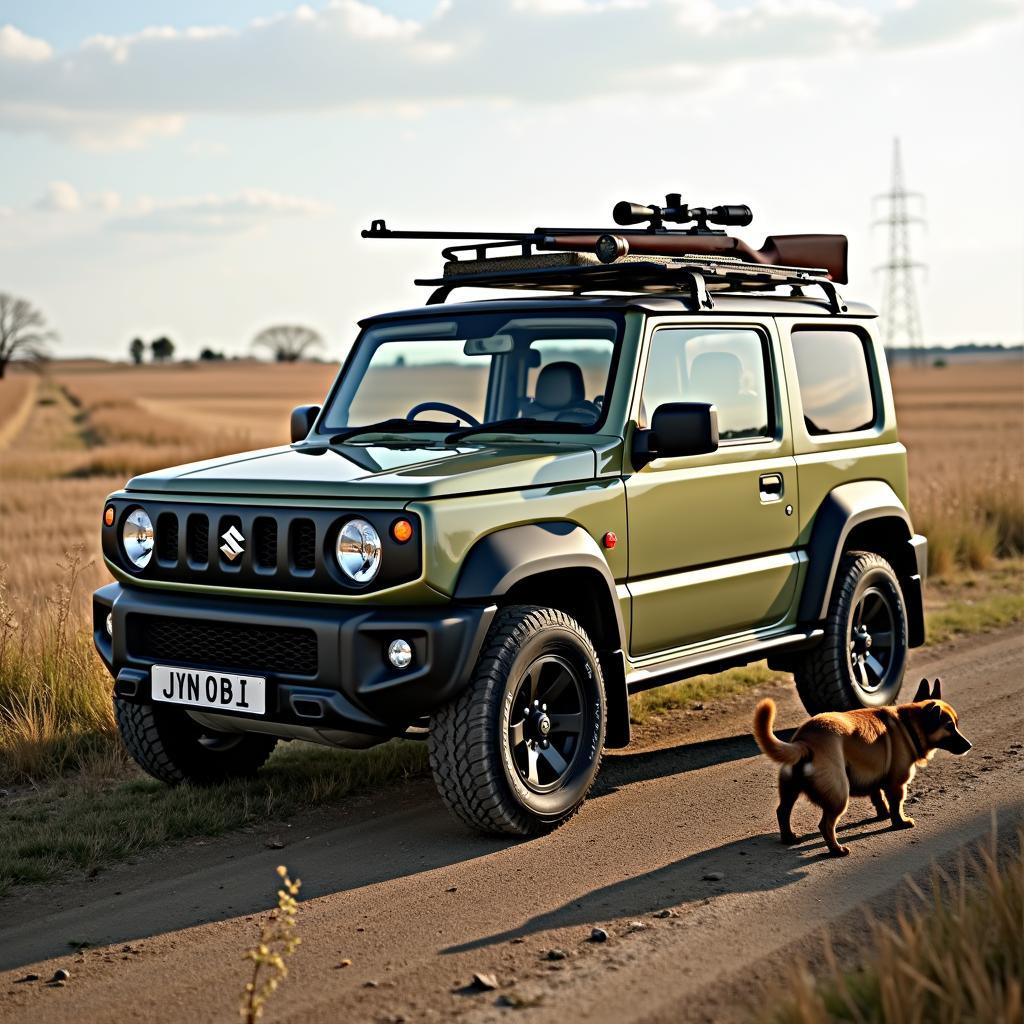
(278, 939)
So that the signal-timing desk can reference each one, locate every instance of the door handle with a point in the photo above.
(771, 486)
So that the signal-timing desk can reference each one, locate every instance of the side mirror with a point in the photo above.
(677, 429)
(303, 418)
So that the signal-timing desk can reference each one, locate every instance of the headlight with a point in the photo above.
(137, 537)
(358, 551)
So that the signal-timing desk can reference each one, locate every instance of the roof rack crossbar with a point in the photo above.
(640, 277)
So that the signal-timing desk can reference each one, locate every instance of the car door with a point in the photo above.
(712, 538)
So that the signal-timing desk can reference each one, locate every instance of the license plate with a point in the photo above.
(201, 688)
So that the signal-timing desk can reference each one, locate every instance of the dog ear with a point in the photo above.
(937, 690)
(922, 691)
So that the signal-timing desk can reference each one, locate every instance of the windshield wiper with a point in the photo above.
(518, 425)
(393, 426)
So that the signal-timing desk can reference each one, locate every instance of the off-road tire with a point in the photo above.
(824, 674)
(170, 746)
(469, 753)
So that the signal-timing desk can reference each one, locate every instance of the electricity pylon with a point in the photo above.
(901, 318)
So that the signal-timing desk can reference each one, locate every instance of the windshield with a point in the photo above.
(550, 372)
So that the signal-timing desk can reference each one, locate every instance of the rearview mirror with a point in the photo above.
(677, 429)
(497, 345)
(303, 418)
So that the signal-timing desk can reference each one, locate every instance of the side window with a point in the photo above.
(834, 377)
(726, 367)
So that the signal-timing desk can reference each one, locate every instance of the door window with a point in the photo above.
(728, 368)
(834, 378)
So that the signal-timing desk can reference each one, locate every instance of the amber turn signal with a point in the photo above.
(108, 515)
(401, 530)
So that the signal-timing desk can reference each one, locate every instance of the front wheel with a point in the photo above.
(862, 657)
(172, 747)
(518, 750)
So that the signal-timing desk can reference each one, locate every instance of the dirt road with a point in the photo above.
(418, 904)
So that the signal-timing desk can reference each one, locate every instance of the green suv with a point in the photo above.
(508, 515)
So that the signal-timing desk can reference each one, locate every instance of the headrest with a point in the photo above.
(716, 375)
(560, 385)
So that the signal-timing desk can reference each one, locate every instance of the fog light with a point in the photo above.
(400, 653)
(110, 625)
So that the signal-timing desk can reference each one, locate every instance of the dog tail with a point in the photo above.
(770, 744)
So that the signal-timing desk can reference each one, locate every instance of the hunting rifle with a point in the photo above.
(826, 254)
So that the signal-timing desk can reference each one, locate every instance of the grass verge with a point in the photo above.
(956, 956)
(85, 823)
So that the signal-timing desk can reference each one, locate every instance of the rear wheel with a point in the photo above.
(173, 748)
(518, 750)
(861, 659)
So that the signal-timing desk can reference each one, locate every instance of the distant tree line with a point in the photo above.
(161, 350)
(287, 343)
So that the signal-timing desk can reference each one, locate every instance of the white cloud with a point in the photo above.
(350, 54)
(16, 46)
(59, 197)
(214, 214)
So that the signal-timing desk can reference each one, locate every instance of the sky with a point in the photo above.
(202, 168)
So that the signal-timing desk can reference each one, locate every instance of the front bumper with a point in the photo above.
(347, 685)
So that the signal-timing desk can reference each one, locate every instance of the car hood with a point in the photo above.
(406, 472)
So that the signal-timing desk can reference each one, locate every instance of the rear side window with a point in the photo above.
(834, 377)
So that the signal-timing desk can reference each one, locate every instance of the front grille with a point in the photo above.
(264, 548)
(303, 544)
(167, 537)
(198, 538)
(260, 548)
(223, 645)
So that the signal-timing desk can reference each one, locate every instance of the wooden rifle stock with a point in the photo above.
(827, 252)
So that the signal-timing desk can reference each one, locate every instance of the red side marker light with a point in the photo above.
(401, 530)
(609, 540)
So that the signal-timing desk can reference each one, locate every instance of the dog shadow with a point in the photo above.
(734, 867)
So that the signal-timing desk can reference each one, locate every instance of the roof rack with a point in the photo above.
(699, 260)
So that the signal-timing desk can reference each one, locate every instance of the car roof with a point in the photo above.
(724, 304)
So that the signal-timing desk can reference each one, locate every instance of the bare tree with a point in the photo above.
(23, 332)
(288, 342)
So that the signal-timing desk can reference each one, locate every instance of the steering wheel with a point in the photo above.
(443, 407)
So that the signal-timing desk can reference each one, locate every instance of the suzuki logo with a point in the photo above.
(233, 541)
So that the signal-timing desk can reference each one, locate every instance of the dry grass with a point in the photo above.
(963, 426)
(956, 956)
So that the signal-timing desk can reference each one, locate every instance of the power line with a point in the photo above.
(901, 317)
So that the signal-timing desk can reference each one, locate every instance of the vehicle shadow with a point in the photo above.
(404, 832)
(619, 770)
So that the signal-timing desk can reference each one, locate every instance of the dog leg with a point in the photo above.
(829, 817)
(895, 796)
(881, 806)
(789, 791)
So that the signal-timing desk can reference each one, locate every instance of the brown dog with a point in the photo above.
(871, 752)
